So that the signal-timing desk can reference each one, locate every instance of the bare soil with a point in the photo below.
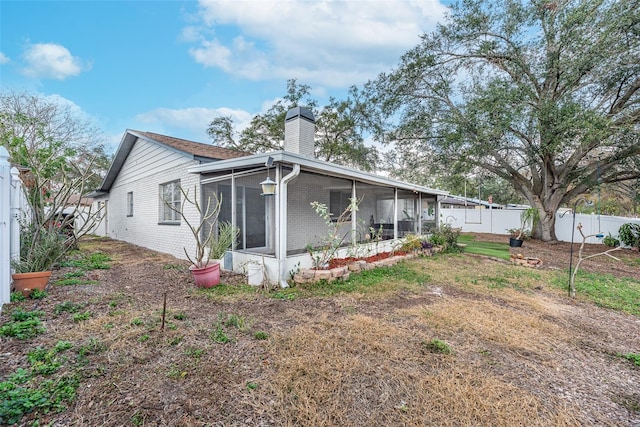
(531, 357)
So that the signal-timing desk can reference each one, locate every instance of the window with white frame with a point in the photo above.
(130, 203)
(170, 198)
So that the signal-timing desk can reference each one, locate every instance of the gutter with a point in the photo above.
(282, 225)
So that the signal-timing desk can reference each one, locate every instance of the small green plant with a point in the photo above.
(235, 321)
(46, 396)
(25, 391)
(17, 297)
(73, 274)
(38, 294)
(175, 341)
(176, 373)
(180, 316)
(261, 335)
(194, 352)
(68, 307)
(91, 261)
(93, 346)
(74, 282)
(144, 337)
(219, 336)
(632, 357)
(137, 419)
(80, 317)
(437, 346)
(23, 325)
(136, 322)
(611, 241)
(284, 295)
(252, 386)
(174, 267)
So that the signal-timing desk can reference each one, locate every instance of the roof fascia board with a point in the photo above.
(126, 145)
(313, 165)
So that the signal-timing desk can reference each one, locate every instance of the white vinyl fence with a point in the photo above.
(11, 204)
(498, 221)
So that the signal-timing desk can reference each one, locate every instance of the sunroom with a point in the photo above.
(276, 230)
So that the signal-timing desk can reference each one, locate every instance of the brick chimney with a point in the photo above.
(300, 131)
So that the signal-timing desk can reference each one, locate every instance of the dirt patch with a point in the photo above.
(528, 357)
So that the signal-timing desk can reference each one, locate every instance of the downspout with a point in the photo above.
(282, 226)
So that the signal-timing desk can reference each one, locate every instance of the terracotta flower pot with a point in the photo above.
(206, 277)
(27, 282)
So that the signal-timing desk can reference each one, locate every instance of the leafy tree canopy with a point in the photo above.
(63, 152)
(542, 94)
(338, 129)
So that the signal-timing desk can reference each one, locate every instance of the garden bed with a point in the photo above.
(341, 268)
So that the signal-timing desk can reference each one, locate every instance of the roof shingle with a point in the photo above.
(195, 148)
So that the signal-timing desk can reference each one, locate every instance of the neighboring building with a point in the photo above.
(274, 230)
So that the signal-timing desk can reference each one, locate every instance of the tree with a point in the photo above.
(543, 94)
(59, 148)
(338, 129)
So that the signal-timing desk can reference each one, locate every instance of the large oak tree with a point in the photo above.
(543, 94)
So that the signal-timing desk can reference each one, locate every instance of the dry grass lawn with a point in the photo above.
(521, 352)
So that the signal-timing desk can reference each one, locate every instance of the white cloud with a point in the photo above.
(195, 120)
(50, 60)
(4, 59)
(333, 42)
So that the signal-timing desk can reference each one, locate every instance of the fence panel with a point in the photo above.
(5, 227)
(498, 221)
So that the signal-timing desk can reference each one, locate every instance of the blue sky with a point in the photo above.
(172, 66)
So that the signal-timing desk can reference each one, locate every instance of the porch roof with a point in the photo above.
(311, 165)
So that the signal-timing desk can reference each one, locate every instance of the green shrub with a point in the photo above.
(611, 241)
(446, 237)
(629, 234)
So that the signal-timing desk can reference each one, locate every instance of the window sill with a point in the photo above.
(168, 223)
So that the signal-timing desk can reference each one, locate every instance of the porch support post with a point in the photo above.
(234, 203)
(395, 213)
(419, 216)
(282, 228)
(354, 216)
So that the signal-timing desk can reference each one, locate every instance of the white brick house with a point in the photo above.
(275, 230)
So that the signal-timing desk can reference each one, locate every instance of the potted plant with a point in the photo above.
(529, 216)
(205, 265)
(227, 234)
(41, 248)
